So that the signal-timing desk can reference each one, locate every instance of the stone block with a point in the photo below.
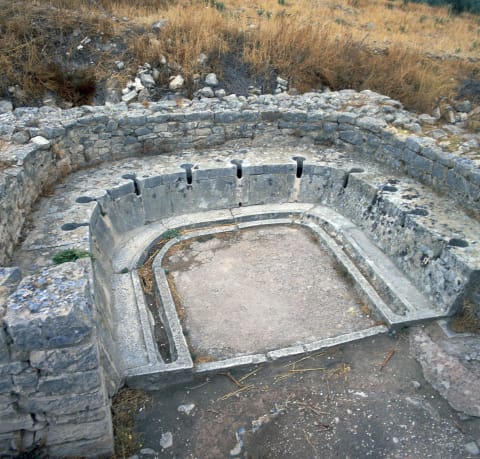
(15, 422)
(296, 116)
(371, 124)
(422, 165)
(6, 384)
(413, 143)
(351, 137)
(51, 309)
(62, 404)
(439, 172)
(99, 447)
(64, 433)
(79, 417)
(13, 368)
(456, 182)
(26, 381)
(347, 118)
(70, 383)
(270, 115)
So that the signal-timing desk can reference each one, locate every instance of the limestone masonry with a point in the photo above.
(397, 195)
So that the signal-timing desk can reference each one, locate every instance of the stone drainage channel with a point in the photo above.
(386, 291)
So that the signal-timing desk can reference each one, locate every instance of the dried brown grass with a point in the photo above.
(36, 44)
(389, 46)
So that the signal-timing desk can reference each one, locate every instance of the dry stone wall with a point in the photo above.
(58, 363)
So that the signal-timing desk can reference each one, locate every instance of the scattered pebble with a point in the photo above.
(472, 448)
(416, 384)
(187, 408)
(166, 441)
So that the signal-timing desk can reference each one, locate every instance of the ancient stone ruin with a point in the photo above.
(111, 189)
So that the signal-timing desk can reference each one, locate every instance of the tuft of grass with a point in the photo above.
(170, 234)
(69, 255)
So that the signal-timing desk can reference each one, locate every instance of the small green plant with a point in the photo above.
(282, 2)
(69, 255)
(423, 18)
(219, 6)
(170, 234)
(124, 271)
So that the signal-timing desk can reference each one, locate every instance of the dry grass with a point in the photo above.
(467, 321)
(125, 406)
(389, 46)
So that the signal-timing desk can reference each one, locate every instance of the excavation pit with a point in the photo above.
(260, 289)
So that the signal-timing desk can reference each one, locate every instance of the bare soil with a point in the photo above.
(261, 289)
(364, 399)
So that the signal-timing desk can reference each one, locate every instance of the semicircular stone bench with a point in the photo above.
(395, 210)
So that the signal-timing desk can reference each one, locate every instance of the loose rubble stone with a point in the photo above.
(5, 106)
(187, 409)
(176, 83)
(211, 79)
(129, 96)
(166, 441)
(463, 106)
(207, 91)
(472, 448)
(159, 25)
(40, 141)
(147, 80)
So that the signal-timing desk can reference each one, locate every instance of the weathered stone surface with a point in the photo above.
(50, 310)
(66, 360)
(64, 433)
(63, 404)
(13, 423)
(72, 383)
(456, 383)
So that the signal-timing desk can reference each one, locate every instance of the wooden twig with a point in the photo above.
(304, 370)
(235, 392)
(387, 359)
(244, 377)
(312, 408)
(318, 354)
(307, 437)
(232, 378)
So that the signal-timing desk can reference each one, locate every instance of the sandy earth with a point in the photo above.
(261, 289)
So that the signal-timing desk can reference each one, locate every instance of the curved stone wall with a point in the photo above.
(347, 151)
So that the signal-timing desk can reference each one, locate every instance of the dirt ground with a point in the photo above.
(363, 399)
(261, 289)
